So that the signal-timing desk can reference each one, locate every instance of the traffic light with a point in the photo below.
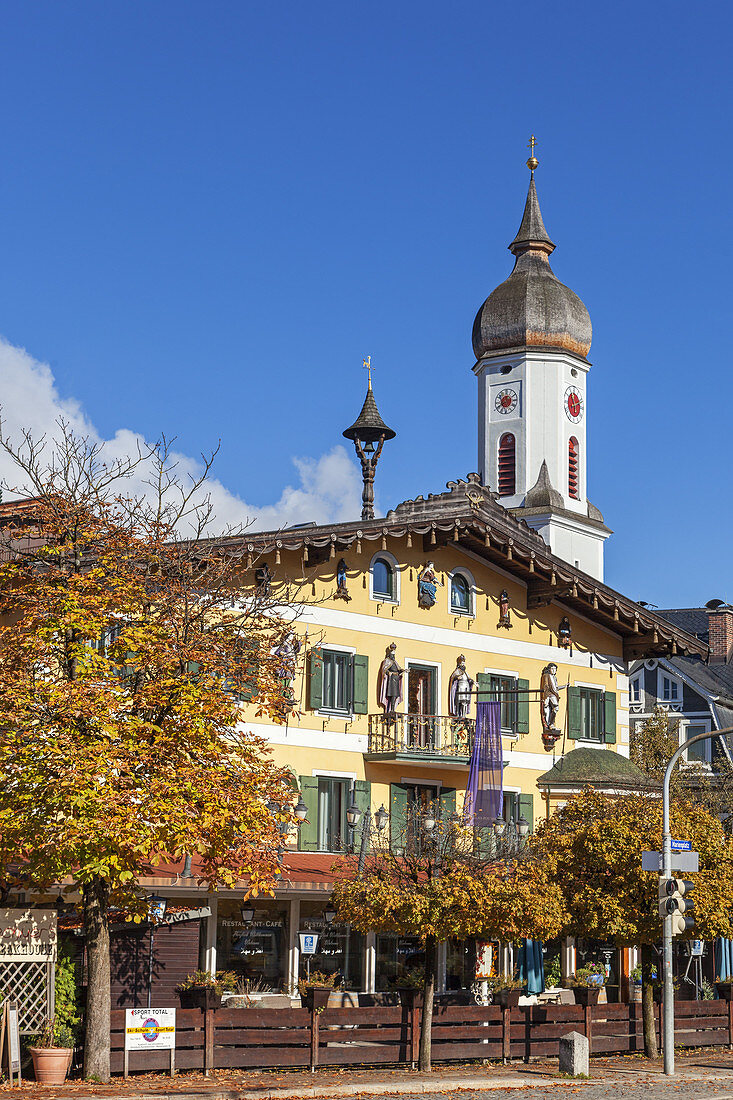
(675, 902)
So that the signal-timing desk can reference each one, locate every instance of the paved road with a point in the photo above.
(635, 1089)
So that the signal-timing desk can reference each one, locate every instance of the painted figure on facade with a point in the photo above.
(460, 687)
(549, 705)
(287, 657)
(342, 592)
(427, 585)
(389, 686)
(564, 633)
(504, 616)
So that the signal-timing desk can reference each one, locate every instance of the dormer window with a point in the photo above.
(573, 469)
(506, 479)
(670, 690)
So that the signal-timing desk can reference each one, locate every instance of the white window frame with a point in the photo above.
(706, 745)
(635, 682)
(331, 647)
(392, 560)
(467, 576)
(662, 675)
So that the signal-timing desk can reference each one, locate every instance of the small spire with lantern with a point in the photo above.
(368, 429)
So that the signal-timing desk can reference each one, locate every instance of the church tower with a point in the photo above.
(531, 339)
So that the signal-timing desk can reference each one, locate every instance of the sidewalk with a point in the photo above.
(612, 1072)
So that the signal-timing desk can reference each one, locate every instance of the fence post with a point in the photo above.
(588, 1025)
(208, 1040)
(730, 1024)
(314, 1035)
(506, 1032)
(415, 1011)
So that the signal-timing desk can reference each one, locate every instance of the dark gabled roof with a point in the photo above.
(693, 620)
(599, 768)
(470, 516)
(714, 679)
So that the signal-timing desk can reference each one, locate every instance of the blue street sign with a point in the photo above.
(681, 845)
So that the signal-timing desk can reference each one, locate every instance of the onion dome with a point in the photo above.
(369, 426)
(532, 308)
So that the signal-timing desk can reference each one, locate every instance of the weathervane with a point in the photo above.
(368, 429)
(532, 162)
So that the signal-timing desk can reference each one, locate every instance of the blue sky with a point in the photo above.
(211, 212)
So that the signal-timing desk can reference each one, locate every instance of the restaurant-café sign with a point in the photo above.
(28, 934)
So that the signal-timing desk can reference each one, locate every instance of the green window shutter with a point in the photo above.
(248, 686)
(609, 703)
(361, 684)
(522, 707)
(483, 683)
(447, 803)
(526, 807)
(308, 831)
(363, 799)
(574, 730)
(315, 679)
(397, 816)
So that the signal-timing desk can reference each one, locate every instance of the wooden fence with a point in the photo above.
(231, 1038)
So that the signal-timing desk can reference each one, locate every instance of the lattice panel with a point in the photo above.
(27, 983)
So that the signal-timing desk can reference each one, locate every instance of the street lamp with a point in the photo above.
(523, 827)
(301, 810)
(381, 817)
(499, 825)
(248, 914)
(353, 813)
(329, 914)
(429, 821)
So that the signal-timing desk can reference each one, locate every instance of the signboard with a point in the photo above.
(13, 1037)
(150, 1029)
(28, 935)
(685, 862)
(681, 845)
(308, 942)
(484, 961)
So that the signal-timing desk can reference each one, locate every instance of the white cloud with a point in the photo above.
(328, 488)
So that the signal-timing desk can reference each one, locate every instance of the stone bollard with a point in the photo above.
(574, 1055)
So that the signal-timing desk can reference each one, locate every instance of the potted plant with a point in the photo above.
(635, 980)
(410, 985)
(315, 990)
(724, 989)
(202, 989)
(51, 1053)
(506, 991)
(589, 980)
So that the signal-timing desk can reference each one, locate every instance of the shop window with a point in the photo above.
(573, 469)
(591, 714)
(506, 479)
(338, 681)
(461, 601)
(398, 958)
(340, 948)
(333, 795)
(512, 695)
(383, 580)
(257, 953)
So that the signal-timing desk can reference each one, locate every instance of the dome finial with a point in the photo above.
(532, 162)
(368, 365)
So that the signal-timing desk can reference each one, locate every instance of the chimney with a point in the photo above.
(720, 625)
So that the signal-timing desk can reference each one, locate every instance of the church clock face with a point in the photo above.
(573, 404)
(506, 401)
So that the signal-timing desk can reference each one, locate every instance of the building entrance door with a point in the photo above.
(422, 726)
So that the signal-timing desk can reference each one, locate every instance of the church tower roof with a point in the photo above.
(532, 308)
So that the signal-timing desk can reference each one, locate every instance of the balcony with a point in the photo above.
(427, 738)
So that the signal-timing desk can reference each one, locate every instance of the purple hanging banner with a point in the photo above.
(485, 788)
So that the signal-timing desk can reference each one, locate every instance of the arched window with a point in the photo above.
(460, 595)
(507, 466)
(383, 579)
(573, 468)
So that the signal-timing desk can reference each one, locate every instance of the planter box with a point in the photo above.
(410, 996)
(316, 997)
(507, 998)
(587, 994)
(51, 1064)
(199, 998)
(724, 990)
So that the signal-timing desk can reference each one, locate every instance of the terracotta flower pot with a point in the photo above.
(507, 998)
(587, 994)
(51, 1064)
(199, 997)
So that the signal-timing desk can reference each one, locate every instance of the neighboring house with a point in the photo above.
(697, 693)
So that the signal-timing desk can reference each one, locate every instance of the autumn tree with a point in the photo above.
(591, 848)
(127, 639)
(435, 878)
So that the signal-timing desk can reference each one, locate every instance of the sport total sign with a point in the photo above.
(150, 1028)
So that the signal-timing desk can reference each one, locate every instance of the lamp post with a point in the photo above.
(668, 985)
(157, 906)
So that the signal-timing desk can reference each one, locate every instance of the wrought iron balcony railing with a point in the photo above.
(420, 735)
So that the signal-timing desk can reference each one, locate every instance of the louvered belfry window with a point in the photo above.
(573, 486)
(507, 466)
